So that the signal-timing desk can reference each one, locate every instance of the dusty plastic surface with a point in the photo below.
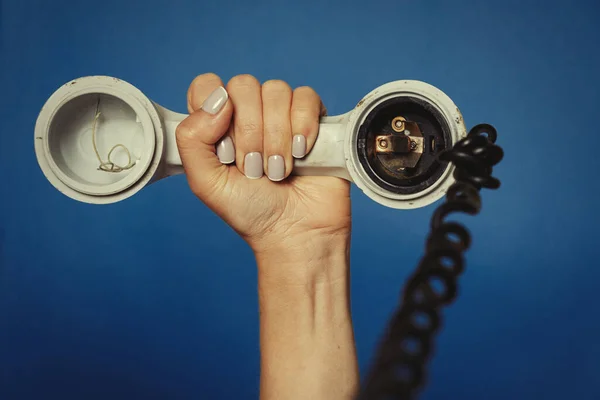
(65, 149)
(63, 139)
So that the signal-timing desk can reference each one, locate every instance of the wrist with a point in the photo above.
(306, 330)
(302, 260)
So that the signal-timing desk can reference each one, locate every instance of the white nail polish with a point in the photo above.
(226, 150)
(215, 101)
(299, 146)
(276, 168)
(253, 165)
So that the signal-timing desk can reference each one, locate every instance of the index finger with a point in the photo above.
(200, 88)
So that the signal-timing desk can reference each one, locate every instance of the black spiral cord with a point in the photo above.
(399, 368)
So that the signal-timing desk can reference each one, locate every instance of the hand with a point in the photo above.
(298, 227)
(262, 129)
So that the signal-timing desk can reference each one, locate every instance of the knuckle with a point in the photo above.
(304, 111)
(249, 128)
(275, 129)
(306, 91)
(276, 86)
(306, 104)
(304, 117)
(203, 79)
(186, 136)
(183, 133)
(305, 120)
(243, 80)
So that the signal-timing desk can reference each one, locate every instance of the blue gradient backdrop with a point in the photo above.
(154, 297)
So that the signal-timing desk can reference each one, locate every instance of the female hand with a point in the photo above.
(262, 128)
(298, 227)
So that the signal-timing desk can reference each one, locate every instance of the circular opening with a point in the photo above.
(412, 346)
(422, 321)
(437, 286)
(413, 165)
(453, 238)
(447, 262)
(79, 144)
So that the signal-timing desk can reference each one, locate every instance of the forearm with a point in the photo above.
(307, 340)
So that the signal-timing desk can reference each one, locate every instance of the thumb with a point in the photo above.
(196, 138)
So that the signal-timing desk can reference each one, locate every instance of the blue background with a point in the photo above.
(155, 297)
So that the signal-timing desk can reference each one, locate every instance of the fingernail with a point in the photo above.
(299, 146)
(226, 151)
(276, 168)
(253, 165)
(215, 101)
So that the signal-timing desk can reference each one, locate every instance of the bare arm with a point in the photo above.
(238, 147)
(306, 336)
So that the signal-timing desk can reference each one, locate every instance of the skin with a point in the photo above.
(298, 229)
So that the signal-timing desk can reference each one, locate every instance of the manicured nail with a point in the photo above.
(253, 165)
(299, 146)
(276, 168)
(215, 101)
(226, 151)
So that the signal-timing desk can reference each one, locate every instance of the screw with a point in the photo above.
(383, 143)
(398, 124)
(413, 144)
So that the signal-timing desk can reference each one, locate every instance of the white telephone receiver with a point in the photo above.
(387, 145)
